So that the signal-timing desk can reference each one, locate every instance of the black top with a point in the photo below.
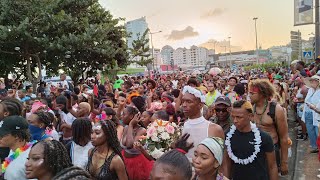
(242, 147)
(105, 172)
(4, 152)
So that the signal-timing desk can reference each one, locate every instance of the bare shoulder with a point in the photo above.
(116, 162)
(215, 130)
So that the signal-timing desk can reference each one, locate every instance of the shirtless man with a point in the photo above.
(261, 91)
(197, 126)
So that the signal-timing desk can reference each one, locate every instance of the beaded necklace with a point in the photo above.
(15, 155)
(264, 110)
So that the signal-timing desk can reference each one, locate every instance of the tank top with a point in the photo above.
(105, 172)
(299, 94)
(198, 130)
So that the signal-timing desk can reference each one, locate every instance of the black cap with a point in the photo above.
(12, 123)
(223, 100)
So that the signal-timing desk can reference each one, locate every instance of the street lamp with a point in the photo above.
(255, 26)
(151, 33)
(230, 51)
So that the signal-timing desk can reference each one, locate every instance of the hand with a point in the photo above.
(284, 169)
(137, 145)
(182, 143)
(135, 120)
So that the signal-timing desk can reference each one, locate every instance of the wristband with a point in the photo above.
(181, 150)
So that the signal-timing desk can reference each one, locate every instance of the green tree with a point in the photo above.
(140, 51)
(76, 36)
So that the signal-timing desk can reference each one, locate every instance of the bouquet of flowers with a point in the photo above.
(160, 135)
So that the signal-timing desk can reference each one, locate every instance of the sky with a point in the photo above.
(196, 22)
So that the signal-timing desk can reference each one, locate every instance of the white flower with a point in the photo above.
(165, 136)
(154, 138)
(157, 153)
(257, 144)
(161, 129)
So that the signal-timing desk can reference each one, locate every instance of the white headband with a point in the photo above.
(195, 92)
(215, 147)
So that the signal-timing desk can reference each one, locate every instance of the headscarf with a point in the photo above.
(215, 145)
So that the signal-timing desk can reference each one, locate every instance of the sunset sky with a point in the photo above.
(193, 22)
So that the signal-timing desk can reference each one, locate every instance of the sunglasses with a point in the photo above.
(221, 109)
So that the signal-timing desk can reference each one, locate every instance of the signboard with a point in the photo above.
(307, 54)
(303, 12)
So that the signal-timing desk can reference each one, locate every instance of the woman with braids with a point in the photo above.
(49, 160)
(14, 134)
(8, 107)
(111, 115)
(174, 165)
(80, 145)
(38, 123)
(138, 166)
(105, 159)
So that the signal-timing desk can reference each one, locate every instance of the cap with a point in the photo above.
(12, 123)
(223, 100)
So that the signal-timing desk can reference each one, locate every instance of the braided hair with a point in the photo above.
(56, 157)
(12, 106)
(176, 159)
(81, 130)
(72, 173)
(110, 130)
(44, 117)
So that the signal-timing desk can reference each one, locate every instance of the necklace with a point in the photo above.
(257, 145)
(263, 111)
(15, 155)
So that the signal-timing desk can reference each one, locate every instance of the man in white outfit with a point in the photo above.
(197, 126)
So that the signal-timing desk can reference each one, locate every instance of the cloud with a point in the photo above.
(179, 35)
(213, 13)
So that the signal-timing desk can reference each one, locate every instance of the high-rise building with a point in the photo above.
(136, 28)
(195, 56)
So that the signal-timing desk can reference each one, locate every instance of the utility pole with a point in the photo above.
(151, 33)
(230, 52)
(317, 29)
(255, 25)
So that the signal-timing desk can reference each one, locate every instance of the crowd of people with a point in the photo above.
(234, 125)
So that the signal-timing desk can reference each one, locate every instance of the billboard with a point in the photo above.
(303, 12)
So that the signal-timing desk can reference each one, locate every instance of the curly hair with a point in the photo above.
(139, 102)
(56, 157)
(81, 130)
(12, 106)
(110, 130)
(22, 134)
(266, 89)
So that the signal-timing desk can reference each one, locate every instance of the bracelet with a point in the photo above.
(181, 150)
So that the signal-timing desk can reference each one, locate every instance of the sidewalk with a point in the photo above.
(302, 165)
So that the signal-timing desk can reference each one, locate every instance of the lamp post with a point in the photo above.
(151, 33)
(230, 51)
(255, 27)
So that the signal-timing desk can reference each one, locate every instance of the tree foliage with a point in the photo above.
(140, 51)
(76, 36)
